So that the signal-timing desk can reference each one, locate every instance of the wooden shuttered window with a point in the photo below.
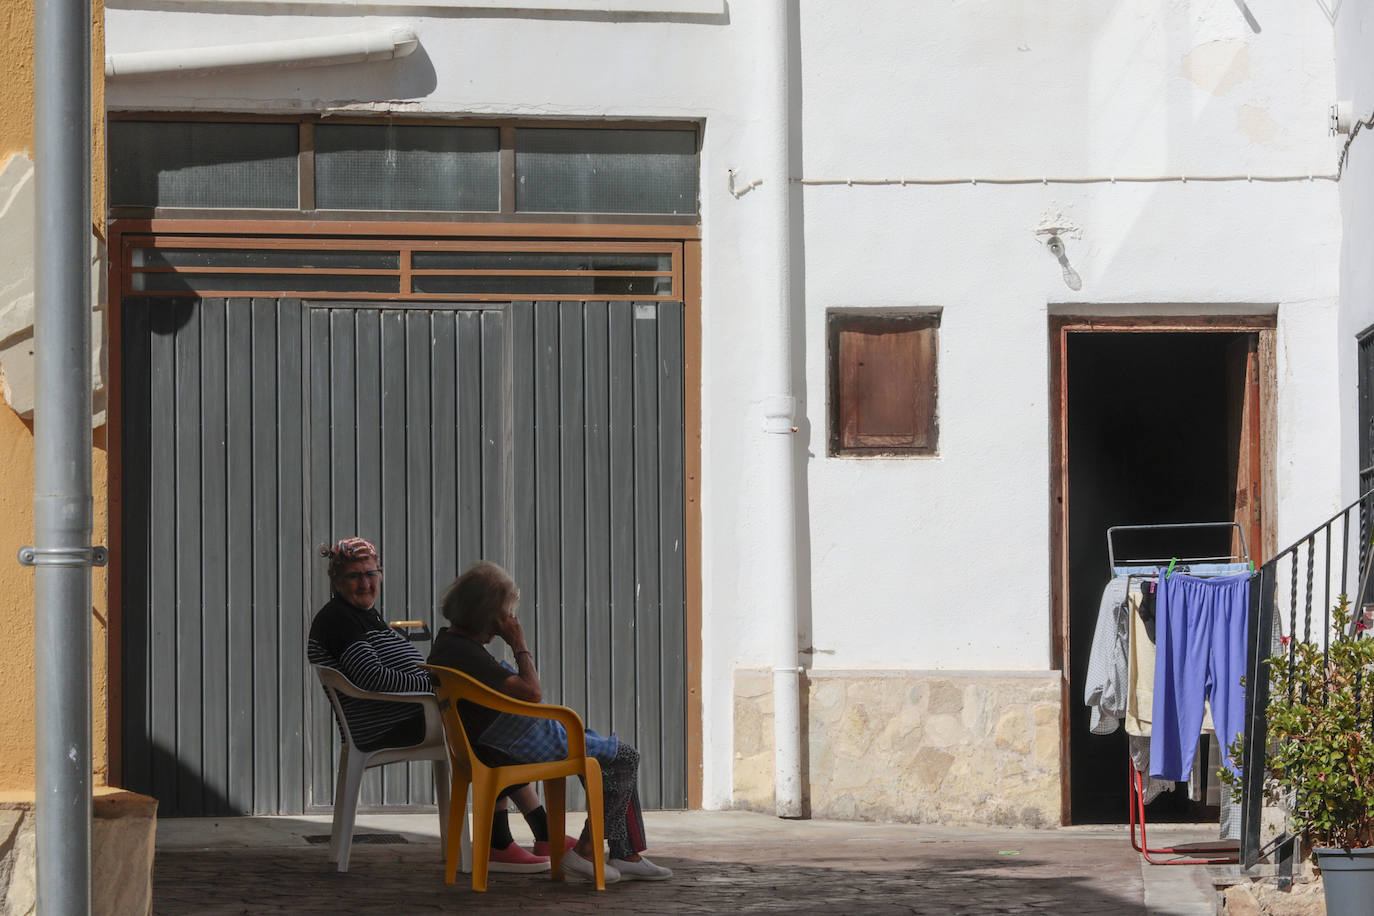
(882, 383)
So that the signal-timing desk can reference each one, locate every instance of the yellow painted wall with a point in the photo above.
(16, 438)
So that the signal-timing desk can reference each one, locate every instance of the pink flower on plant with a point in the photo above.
(1361, 626)
(1285, 640)
(1321, 777)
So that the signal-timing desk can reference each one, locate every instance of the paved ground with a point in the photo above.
(724, 862)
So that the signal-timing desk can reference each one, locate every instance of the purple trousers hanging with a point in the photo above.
(1200, 628)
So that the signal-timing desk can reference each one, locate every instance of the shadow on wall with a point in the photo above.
(183, 793)
(494, 11)
(409, 77)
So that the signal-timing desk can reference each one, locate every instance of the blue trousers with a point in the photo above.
(1200, 628)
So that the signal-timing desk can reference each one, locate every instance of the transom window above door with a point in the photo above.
(419, 269)
(491, 170)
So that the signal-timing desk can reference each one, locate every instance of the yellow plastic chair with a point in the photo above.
(467, 770)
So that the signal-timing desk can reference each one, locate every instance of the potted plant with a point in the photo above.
(1321, 755)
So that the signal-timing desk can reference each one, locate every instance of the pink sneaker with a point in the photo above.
(541, 847)
(515, 858)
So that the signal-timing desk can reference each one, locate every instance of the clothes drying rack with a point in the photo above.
(1222, 852)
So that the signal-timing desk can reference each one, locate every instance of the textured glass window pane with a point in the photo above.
(398, 167)
(591, 285)
(203, 164)
(567, 170)
(247, 283)
(538, 260)
(283, 257)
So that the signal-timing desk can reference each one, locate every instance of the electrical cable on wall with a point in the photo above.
(1092, 179)
(1354, 130)
(1340, 123)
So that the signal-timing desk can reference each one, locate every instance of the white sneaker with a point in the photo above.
(578, 867)
(643, 870)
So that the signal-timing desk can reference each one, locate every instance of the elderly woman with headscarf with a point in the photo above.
(349, 634)
(480, 606)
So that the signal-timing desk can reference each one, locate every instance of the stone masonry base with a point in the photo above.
(122, 835)
(952, 747)
(1262, 896)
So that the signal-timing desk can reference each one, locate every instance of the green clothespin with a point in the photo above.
(1170, 571)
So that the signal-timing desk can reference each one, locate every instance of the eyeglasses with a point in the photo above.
(366, 575)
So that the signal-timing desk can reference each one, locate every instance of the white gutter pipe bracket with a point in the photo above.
(320, 51)
(779, 413)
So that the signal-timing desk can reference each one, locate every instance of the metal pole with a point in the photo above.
(62, 555)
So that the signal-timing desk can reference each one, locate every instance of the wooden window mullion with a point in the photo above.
(307, 165)
(507, 170)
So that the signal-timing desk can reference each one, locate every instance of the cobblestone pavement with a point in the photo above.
(723, 862)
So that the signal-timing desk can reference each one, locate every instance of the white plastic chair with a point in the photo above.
(353, 762)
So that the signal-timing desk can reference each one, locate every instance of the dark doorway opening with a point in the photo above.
(1154, 423)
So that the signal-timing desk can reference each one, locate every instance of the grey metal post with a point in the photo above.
(62, 555)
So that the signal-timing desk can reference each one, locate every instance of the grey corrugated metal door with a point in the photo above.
(547, 436)
(406, 414)
(213, 546)
(598, 477)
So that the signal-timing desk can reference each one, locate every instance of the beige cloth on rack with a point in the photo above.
(1140, 674)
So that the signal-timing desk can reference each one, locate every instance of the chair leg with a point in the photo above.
(457, 825)
(483, 807)
(597, 819)
(556, 809)
(465, 847)
(340, 781)
(345, 814)
(441, 780)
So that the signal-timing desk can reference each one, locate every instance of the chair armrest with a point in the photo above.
(407, 696)
(342, 684)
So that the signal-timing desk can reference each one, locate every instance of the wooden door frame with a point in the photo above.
(688, 236)
(1060, 327)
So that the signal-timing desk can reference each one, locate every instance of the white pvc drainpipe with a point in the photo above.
(322, 51)
(779, 413)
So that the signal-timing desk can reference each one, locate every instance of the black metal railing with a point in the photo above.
(1330, 561)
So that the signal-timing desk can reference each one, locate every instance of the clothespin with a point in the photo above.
(1170, 571)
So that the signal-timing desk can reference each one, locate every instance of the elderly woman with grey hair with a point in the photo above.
(480, 606)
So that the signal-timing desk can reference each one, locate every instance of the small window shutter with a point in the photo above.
(886, 385)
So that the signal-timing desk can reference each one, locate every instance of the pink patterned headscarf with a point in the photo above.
(346, 549)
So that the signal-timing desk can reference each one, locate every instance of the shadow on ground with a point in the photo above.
(409, 879)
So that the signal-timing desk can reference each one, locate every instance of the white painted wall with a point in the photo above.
(1355, 81)
(936, 562)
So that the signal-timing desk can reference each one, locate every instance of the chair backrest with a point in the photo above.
(453, 686)
(335, 682)
(461, 752)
